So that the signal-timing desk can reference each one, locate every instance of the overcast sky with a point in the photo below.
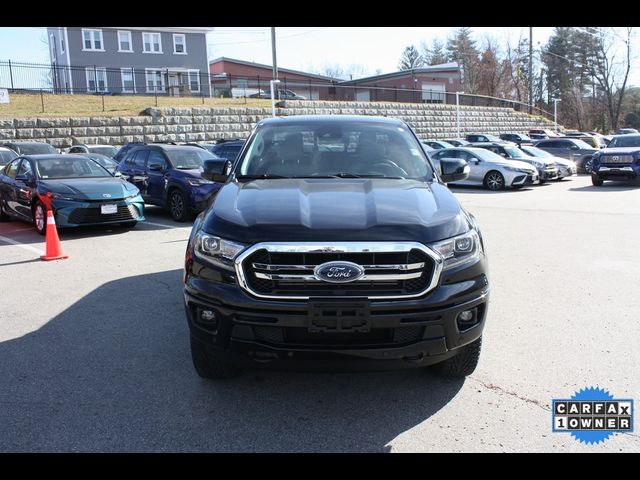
(302, 48)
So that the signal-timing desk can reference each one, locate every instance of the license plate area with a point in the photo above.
(335, 316)
(108, 209)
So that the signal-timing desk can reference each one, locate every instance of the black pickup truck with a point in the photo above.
(334, 244)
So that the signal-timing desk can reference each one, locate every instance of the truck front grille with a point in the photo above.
(616, 159)
(395, 270)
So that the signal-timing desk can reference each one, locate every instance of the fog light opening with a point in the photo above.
(467, 319)
(207, 316)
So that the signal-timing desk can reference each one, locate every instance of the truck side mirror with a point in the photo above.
(454, 169)
(217, 170)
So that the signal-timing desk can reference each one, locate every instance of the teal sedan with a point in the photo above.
(82, 191)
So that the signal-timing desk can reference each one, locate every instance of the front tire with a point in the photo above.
(3, 216)
(178, 206)
(463, 363)
(588, 165)
(40, 218)
(207, 365)
(494, 181)
(596, 181)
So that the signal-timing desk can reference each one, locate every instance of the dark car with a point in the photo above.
(619, 161)
(31, 148)
(84, 193)
(626, 131)
(171, 176)
(437, 144)
(6, 155)
(125, 149)
(542, 133)
(519, 138)
(228, 150)
(107, 162)
(591, 140)
(457, 142)
(481, 137)
(571, 149)
(334, 244)
(281, 94)
(108, 150)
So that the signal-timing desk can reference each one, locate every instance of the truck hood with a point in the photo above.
(620, 151)
(335, 210)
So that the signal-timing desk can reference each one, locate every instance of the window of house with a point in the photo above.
(92, 39)
(96, 79)
(124, 41)
(52, 45)
(151, 43)
(61, 43)
(155, 80)
(179, 44)
(194, 80)
(128, 81)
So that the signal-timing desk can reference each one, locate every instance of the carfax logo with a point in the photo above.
(592, 415)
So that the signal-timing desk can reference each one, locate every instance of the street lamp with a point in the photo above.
(458, 113)
(555, 112)
(273, 98)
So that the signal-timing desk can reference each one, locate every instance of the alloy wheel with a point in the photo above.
(177, 205)
(495, 181)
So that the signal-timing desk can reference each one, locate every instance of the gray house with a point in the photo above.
(130, 60)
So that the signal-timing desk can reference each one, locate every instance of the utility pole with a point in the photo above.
(273, 53)
(530, 69)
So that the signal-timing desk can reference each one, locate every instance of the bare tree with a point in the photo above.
(491, 69)
(334, 70)
(610, 68)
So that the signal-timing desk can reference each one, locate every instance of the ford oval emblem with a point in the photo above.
(338, 272)
(106, 195)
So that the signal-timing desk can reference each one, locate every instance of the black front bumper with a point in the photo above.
(277, 334)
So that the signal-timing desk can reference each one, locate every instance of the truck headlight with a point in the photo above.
(459, 250)
(217, 250)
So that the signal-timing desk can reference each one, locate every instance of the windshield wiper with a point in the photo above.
(264, 176)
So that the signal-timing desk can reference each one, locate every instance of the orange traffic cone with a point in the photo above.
(54, 250)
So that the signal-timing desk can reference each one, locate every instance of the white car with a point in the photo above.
(489, 169)
(566, 168)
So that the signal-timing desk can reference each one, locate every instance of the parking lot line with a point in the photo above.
(21, 245)
(163, 225)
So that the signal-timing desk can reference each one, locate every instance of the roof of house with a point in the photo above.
(285, 70)
(416, 71)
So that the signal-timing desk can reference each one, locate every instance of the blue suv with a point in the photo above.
(170, 176)
(228, 150)
(619, 161)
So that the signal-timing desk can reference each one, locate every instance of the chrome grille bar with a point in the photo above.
(380, 277)
(277, 268)
(364, 278)
(616, 159)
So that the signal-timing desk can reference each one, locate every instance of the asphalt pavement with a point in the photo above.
(94, 350)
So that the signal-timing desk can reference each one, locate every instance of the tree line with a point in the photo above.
(585, 68)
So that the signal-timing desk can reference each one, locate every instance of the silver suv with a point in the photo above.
(571, 149)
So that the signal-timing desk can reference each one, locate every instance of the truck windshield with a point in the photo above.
(334, 149)
(625, 141)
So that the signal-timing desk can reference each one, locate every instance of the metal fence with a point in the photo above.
(93, 79)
